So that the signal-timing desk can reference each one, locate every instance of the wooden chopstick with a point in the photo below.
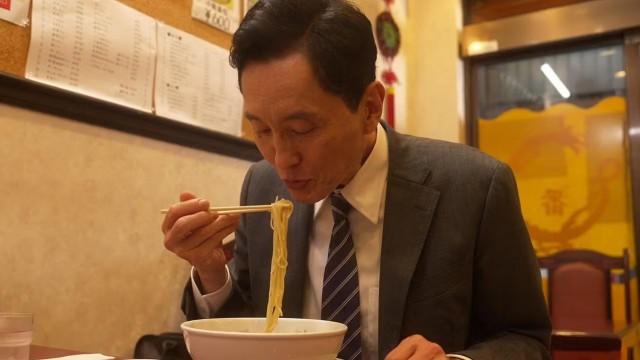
(234, 209)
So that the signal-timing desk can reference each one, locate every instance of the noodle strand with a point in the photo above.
(280, 213)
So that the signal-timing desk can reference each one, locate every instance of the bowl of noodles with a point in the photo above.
(246, 338)
(271, 337)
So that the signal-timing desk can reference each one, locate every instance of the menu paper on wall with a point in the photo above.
(15, 11)
(195, 83)
(99, 48)
(221, 14)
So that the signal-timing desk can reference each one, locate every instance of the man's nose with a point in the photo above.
(286, 155)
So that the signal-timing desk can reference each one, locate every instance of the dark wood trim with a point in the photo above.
(574, 341)
(471, 122)
(490, 10)
(627, 286)
(597, 17)
(467, 12)
(55, 101)
(574, 255)
(632, 63)
(589, 341)
(549, 49)
(487, 10)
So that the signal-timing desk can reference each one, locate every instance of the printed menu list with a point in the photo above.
(195, 83)
(98, 48)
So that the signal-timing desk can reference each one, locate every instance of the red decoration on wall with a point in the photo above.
(5, 4)
(388, 39)
(389, 77)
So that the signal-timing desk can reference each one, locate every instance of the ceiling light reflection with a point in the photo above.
(555, 80)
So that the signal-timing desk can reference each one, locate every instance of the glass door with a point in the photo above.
(560, 120)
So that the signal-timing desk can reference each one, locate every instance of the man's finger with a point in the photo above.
(403, 351)
(187, 207)
(186, 226)
(428, 351)
(213, 232)
(184, 196)
(416, 347)
(203, 252)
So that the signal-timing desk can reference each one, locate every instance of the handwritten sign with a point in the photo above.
(221, 14)
(15, 11)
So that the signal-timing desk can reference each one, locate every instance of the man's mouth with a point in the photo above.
(296, 184)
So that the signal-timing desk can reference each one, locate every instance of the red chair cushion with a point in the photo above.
(579, 301)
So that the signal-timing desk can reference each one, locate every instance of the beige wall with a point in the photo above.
(435, 92)
(80, 240)
(430, 95)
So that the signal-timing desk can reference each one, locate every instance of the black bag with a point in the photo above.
(166, 346)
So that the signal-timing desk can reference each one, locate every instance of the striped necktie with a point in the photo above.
(340, 290)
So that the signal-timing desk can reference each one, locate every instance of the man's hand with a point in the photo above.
(195, 234)
(417, 347)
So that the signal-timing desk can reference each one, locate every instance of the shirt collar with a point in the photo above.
(366, 190)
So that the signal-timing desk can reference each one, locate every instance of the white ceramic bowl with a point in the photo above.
(244, 338)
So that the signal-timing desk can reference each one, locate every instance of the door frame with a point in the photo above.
(632, 69)
(619, 25)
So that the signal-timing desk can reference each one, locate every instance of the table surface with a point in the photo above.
(38, 352)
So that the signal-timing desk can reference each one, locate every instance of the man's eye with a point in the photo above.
(303, 131)
(263, 132)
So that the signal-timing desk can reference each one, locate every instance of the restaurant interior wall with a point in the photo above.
(80, 227)
(435, 75)
(80, 231)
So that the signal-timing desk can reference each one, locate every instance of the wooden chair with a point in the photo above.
(579, 299)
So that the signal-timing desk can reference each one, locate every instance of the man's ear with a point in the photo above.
(372, 101)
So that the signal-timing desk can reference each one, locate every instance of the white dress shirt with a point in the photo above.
(366, 194)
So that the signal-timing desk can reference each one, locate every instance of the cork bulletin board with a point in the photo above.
(16, 90)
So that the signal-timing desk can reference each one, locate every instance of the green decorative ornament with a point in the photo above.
(387, 35)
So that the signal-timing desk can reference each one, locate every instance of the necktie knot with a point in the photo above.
(339, 205)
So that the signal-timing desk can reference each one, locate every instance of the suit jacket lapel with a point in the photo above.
(409, 208)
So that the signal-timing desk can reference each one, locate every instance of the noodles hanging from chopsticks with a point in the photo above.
(280, 213)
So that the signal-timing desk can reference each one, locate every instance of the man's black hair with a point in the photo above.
(334, 35)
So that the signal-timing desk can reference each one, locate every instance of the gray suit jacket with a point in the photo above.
(457, 265)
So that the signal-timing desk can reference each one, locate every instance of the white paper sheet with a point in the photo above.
(83, 357)
(15, 11)
(100, 48)
(221, 14)
(195, 83)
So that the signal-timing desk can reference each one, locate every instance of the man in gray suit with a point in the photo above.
(442, 262)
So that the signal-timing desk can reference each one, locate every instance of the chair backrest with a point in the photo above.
(579, 289)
